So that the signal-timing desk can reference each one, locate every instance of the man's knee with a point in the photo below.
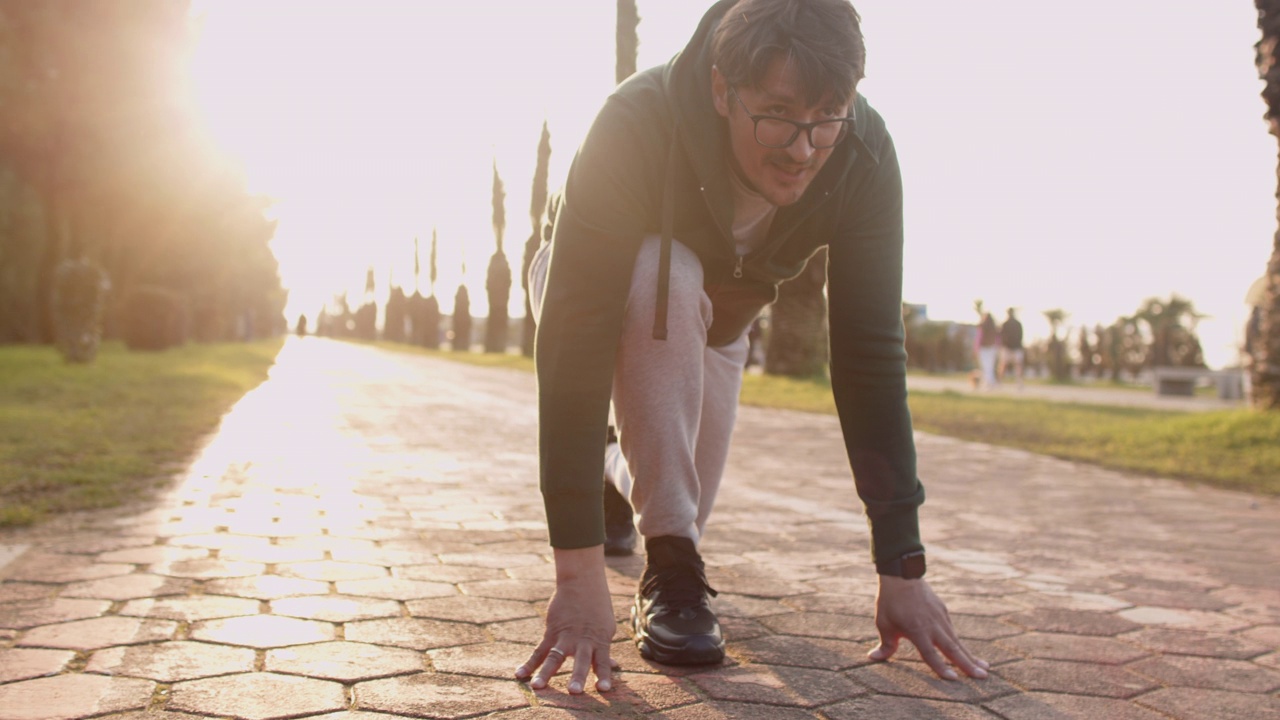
(685, 292)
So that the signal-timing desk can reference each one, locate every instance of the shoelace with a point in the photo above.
(679, 586)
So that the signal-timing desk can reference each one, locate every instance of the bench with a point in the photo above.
(1182, 381)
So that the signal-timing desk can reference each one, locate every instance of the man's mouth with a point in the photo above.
(794, 172)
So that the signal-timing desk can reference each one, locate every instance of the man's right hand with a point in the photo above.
(580, 624)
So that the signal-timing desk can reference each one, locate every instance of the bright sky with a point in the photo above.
(1084, 157)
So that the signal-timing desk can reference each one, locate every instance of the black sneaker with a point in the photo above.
(671, 617)
(619, 518)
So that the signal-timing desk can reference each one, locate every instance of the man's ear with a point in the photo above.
(719, 92)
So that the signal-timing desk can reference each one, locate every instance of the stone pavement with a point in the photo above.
(363, 540)
(1082, 393)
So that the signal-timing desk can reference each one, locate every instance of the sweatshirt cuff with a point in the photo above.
(574, 522)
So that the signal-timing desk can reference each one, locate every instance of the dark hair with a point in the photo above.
(822, 37)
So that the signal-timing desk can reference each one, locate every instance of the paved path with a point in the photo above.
(363, 540)
(1082, 393)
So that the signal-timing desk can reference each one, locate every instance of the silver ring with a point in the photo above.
(557, 652)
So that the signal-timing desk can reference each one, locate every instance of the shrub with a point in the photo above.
(79, 292)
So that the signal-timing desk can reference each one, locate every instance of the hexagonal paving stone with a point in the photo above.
(1181, 600)
(811, 624)
(153, 554)
(502, 561)
(99, 633)
(728, 605)
(797, 687)
(266, 587)
(15, 592)
(1077, 622)
(915, 679)
(1192, 703)
(1081, 648)
(390, 588)
(892, 707)
(830, 603)
(73, 696)
(1037, 705)
(172, 661)
(50, 568)
(45, 612)
(447, 573)
(330, 571)
(1077, 678)
(414, 633)
(496, 660)
(190, 608)
(716, 710)
(439, 695)
(1209, 673)
(257, 696)
(27, 663)
(272, 554)
(1183, 642)
(759, 587)
(209, 569)
(526, 590)
(335, 608)
(1185, 619)
(345, 661)
(632, 693)
(381, 556)
(262, 631)
(474, 610)
(819, 653)
(128, 587)
(219, 541)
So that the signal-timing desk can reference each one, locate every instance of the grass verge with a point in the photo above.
(1235, 449)
(76, 437)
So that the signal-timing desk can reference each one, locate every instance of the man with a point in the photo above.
(701, 186)
(1011, 350)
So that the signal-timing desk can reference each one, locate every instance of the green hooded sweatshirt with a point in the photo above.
(658, 141)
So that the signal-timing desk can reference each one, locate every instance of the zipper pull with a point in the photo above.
(737, 267)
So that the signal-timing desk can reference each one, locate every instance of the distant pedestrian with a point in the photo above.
(988, 346)
(1011, 350)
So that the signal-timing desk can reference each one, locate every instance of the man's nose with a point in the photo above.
(800, 149)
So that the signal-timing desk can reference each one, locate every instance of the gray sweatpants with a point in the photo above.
(674, 400)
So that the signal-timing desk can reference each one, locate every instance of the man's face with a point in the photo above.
(780, 175)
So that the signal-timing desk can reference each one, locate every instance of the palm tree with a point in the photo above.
(1057, 346)
(1265, 365)
(1172, 342)
(498, 282)
(537, 208)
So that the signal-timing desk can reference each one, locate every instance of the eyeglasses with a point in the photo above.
(776, 132)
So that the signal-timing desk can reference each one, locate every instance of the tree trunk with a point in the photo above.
(628, 42)
(1265, 365)
(797, 343)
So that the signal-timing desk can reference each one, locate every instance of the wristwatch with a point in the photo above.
(908, 567)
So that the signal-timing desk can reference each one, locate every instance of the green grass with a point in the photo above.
(76, 437)
(1236, 449)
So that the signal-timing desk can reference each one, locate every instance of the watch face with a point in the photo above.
(913, 566)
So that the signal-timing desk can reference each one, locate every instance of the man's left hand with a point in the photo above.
(910, 609)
